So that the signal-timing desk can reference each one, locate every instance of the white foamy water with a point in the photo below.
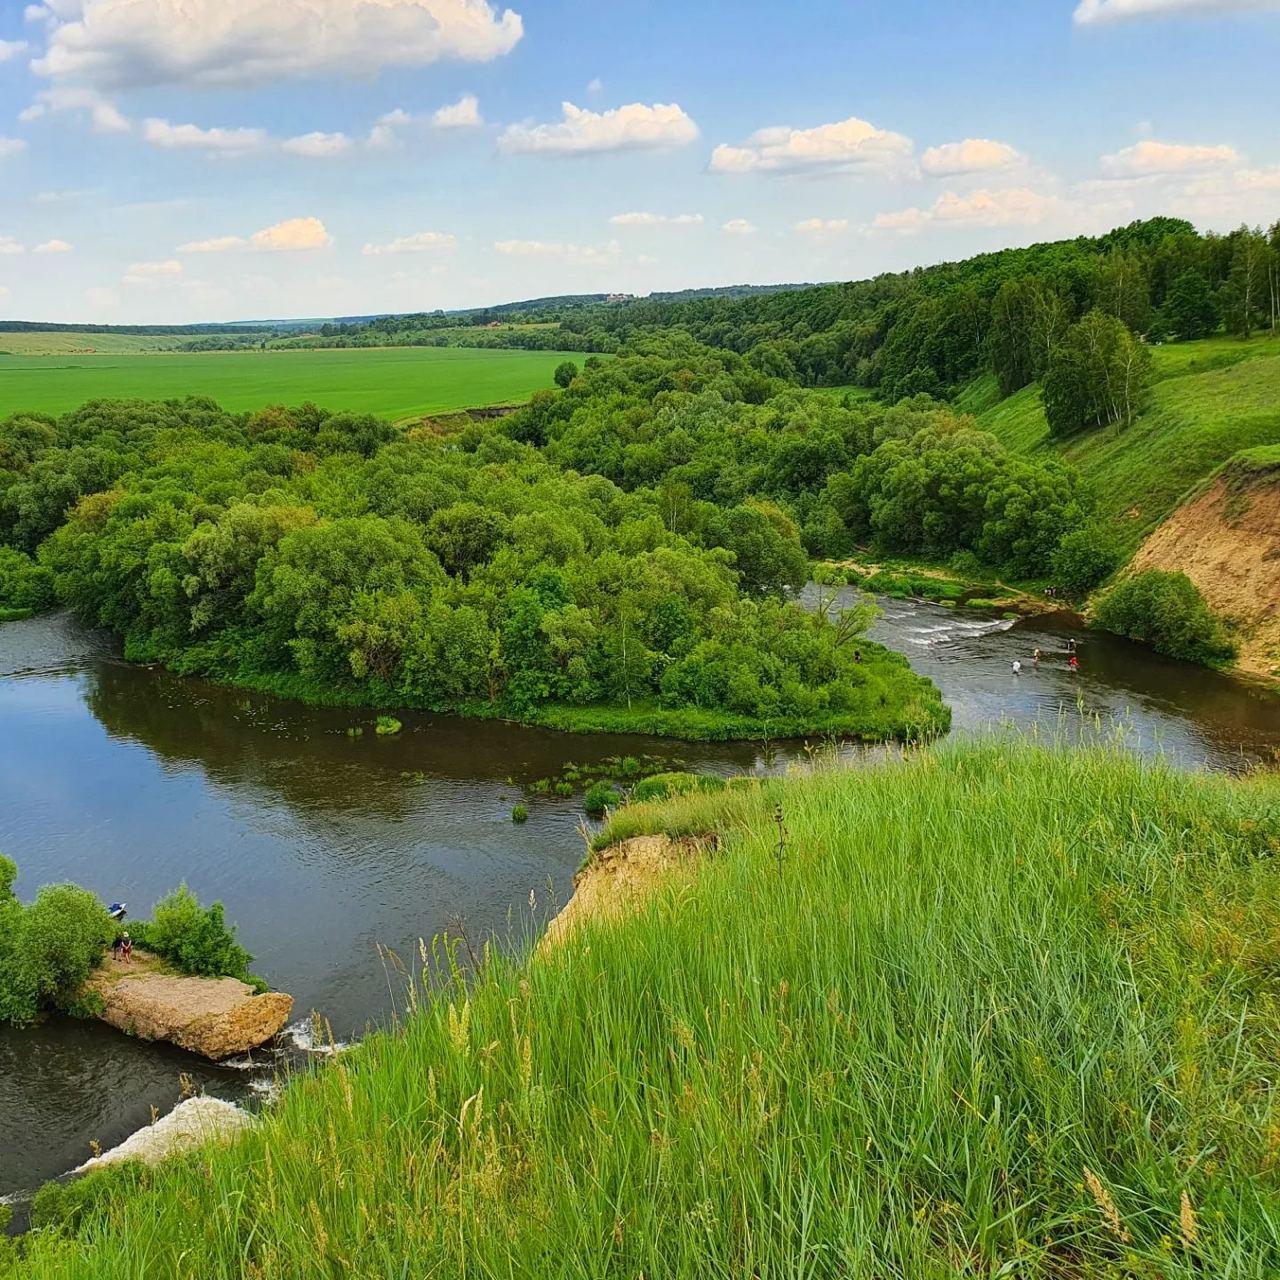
(189, 1124)
(302, 1035)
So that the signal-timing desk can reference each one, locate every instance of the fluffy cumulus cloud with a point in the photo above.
(634, 127)
(1011, 207)
(152, 273)
(216, 244)
(292, 235)
(52, 246)
(1151, 159)
(422, 242)
(160, 133)
(318, 146)
(111, 45)
(973, 155)
(850, 144)
(11, 49)
(11, 147)
(821, 226)
(463, 114)
(102, 113)
(656, 220)
(737, 227)
(1095, 12)
(557, 249)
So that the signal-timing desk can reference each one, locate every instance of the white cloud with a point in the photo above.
(656, 220)
(556, 249)
(320, 146)
(9, 245)
(217, 244)
(383, 133)
(1148, 159)
(422, 242)
(11, 49)
(103, 114)
(1013, 206)
(116, 44)
(821, 226)
(463, 114)
(160, 133)
(631, 128)
(53, 246)
(1241, 195)
(737, 227)
(973, 155)
(850, 144)
(293, 235)
(11, 147)
(595, 84)
(1093, 12)
(152, 272)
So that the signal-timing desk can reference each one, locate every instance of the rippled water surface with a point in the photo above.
(129, 780)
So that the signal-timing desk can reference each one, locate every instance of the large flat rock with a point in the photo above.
(215, 1017)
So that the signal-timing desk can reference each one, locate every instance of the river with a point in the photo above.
(323, 846)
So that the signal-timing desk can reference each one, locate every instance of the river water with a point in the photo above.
(323, 846)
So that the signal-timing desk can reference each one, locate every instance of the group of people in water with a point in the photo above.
(1073, 663)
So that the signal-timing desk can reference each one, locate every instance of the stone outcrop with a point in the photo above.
(190, 1124)
(215, 1017)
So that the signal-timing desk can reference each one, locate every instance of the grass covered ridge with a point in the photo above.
(997, 1010)
(1210, 400)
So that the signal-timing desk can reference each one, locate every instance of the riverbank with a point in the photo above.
(918, 580)
(983, 1007)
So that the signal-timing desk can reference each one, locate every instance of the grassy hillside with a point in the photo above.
(995, 1010)
(1209, 400)
(393, 383)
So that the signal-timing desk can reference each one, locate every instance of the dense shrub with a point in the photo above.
(1084, 559)
(1166, 611)
(600, 796)
(194, 938)
(24, 584)
(49, 948)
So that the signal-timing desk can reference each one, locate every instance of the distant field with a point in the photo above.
(397, 382)
(57, 344)
(1209, 400)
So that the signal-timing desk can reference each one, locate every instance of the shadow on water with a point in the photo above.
(130, 780)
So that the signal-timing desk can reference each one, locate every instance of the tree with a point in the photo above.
(565, 373)
(1190, 310)
(1245, 287)
(1098, 376)
(1166, 611)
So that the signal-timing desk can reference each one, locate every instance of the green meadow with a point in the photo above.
(392, 382)
(1209, 400)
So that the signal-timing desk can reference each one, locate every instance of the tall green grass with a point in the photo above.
(992, 1010)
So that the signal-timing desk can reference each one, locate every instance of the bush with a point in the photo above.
(565, 373)
(519, 813)
(600, 796)
(48, 949)
(62, 1208)
(388, 725)
(1084, 559)
(1166, 611)
(198, 941)
(24, 584)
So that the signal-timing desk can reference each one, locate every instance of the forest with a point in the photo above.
(335, 557)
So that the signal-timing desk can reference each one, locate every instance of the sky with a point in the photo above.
(174, 161)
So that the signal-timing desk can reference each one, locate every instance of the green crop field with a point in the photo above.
(37, 343)
(393, 382)
(1209, 400)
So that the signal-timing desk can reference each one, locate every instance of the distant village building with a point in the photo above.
(620, 297)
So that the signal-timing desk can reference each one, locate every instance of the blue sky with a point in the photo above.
(181, 160)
